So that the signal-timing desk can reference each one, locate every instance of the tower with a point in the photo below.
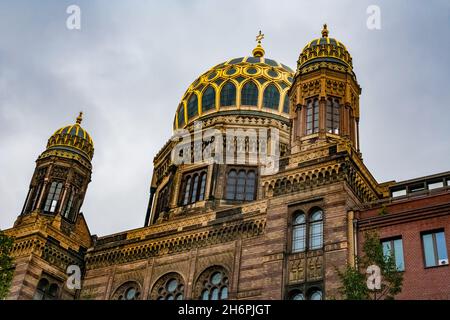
(50, 233)
(325, 96)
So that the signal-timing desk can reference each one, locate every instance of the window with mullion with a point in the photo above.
(394, 248)
(312, 116)
(187, 190)
(241, 185)
(53, 197)
(228, 95)
(435, 249)
(333, 115)
(209, 99)
(193, 188)
(68, 211)
(249, 94)
(299, 233)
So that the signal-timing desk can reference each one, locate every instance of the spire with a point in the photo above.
(80, 118)
(325, 31)
(259, 50)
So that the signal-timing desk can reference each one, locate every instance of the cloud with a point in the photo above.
(131, 62)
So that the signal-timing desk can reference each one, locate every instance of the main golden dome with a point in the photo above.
(325, 49)
(73, 138)
(240, 86)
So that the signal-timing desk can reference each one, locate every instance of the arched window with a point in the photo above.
(194, 187)
(286, 104)
(46, 290)
(228, 95)
(202, 186)
(181, 116)
(250, 186)
(333, 115)
(315, 294)
(231, 184)
(162, 201)
(128, 291)
(316, 229)
(208, 99)
(307, 230)
(53, 197)
(312, 116)
(241, 185)
(187, 189)
(212, 284)
(299, 232)
(69, 209)
(36, 195)
(271, 97)
(168, 287)
(249, 94)
(192, 107)
(297, 295)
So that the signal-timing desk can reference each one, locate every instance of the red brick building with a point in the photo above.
(417, 216)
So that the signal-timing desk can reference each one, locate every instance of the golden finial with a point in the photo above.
(259, 37)
(259, 51)
(325, 31)
(80, 118)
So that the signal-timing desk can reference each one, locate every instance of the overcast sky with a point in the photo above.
(129, 65)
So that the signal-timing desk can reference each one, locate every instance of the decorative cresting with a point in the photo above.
(181, 243)
(324, 49)
(169, 287)
(73, 138)
(248, 84)
(305, 180)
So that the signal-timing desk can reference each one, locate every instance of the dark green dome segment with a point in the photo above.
(73, 138)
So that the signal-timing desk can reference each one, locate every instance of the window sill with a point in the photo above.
(438, 266)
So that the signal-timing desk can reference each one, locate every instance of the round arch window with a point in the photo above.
(213, 284)
(128, 291)
(168, 287)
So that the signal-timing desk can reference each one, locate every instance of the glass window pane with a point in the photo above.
(205, 295)
(216, 278)
(316, 295)
(271, 97)
(298, 238)
(172, 285)
(398, 251)
(209, 99)
(224, 293)
(192, 108)
(298, 296)
(194, 189)
(228, 95)
(215, 294)
(299, 218)
(315, 235)
(440, 245)
(249, 94)
(430, 259)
